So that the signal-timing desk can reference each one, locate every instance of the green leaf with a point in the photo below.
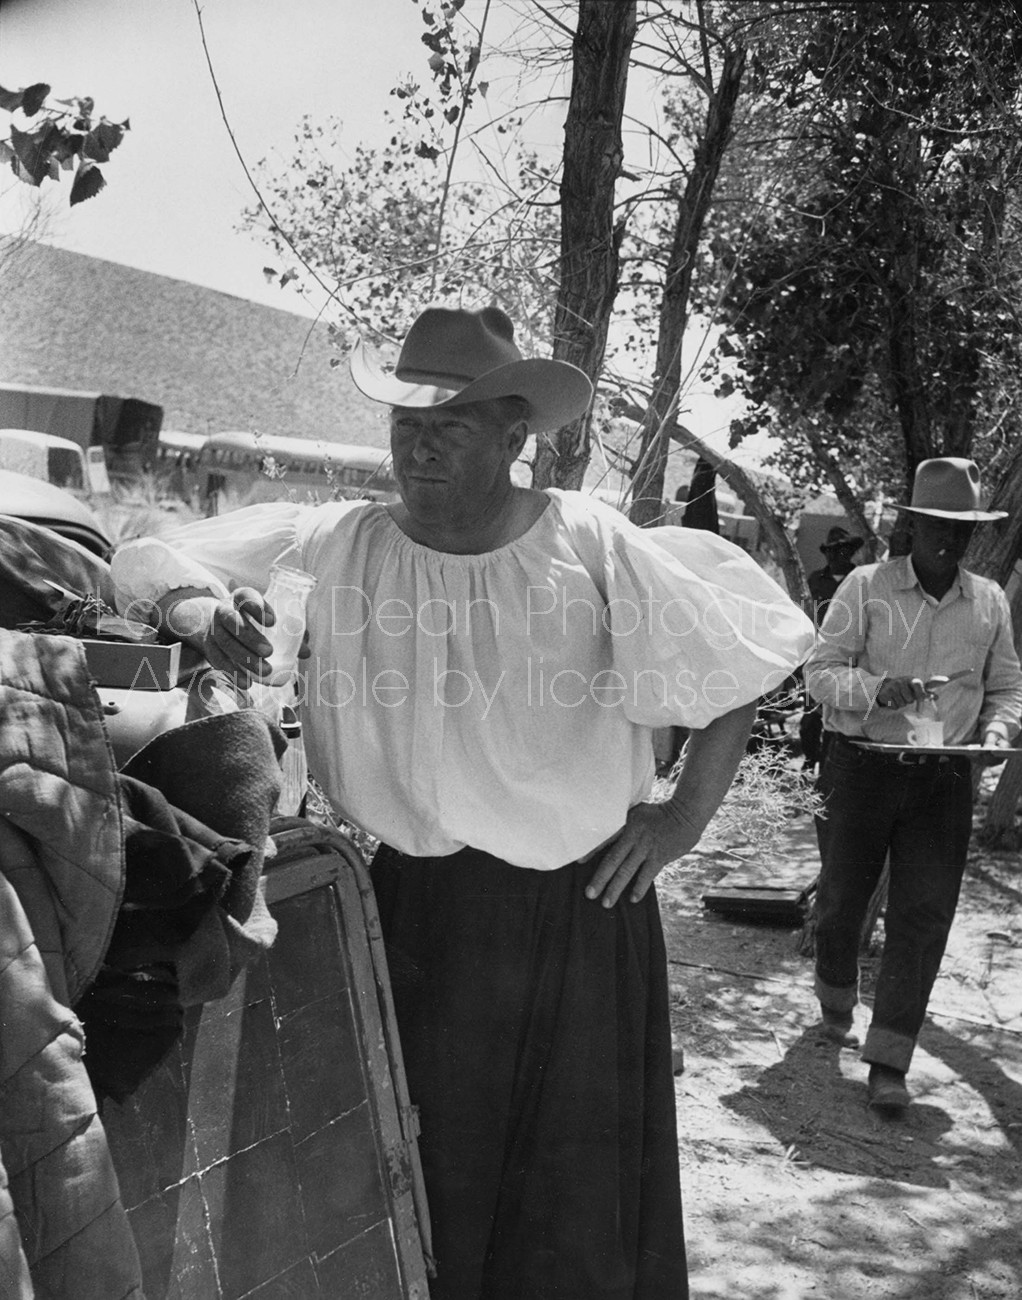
(11, 99)
(66, 147)
(87, 183)
(33, 98)
(30, 100)
(33, 149)
(102, 140)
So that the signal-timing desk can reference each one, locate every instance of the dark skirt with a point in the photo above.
(536, 1039)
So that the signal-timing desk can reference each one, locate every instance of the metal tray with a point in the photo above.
(966, 751)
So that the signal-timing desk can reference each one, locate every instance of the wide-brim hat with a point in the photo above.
(451, 357)
(948, 487)
(840, 539)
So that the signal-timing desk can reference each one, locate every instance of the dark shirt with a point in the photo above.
(822, 585)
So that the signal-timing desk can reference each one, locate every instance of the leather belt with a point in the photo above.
(903, 758)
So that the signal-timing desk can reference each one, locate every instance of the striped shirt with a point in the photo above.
(882, 624)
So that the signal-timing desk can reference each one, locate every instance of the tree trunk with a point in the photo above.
(900, 280)
(996, 548)
(589, 243)
(658, 425)
(701, 501)
(994, 551)
(774, 532)
(877, 903)
(850, 503)
(998, 829)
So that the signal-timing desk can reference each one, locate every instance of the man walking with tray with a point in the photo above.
(915, 630)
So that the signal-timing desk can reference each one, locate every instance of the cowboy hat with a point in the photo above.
(948, 487)
(840, 539)
(451, 357)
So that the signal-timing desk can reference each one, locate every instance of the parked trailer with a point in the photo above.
(125, 427)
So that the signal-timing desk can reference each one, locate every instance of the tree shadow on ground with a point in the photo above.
(978, 1066)
(989, 885)
(836, 1248)
(822, 1118)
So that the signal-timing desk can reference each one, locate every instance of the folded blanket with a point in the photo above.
(192, 914)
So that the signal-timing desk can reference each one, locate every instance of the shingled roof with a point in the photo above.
(212, 361)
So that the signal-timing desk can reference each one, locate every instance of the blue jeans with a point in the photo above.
(921, 815)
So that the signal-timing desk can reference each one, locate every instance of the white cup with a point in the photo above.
(925, 731)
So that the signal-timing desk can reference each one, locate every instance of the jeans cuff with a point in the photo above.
(836, 997)
(885, 1047)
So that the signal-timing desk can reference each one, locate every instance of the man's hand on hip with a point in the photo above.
(653, 835)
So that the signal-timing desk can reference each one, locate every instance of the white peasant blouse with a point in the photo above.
(504, 700)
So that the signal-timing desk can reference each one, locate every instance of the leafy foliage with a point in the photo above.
(394, 227)
(372, 228)
(872, 299)
(860, 245)
(67, 137)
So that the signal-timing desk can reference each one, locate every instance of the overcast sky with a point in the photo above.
(175, 189)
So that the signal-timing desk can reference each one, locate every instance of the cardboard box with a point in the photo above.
(133, 665)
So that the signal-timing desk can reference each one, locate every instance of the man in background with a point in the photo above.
(838, 550)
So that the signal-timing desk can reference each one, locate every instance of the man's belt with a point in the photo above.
(903, 758)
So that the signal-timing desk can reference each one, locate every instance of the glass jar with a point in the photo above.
(287, 595)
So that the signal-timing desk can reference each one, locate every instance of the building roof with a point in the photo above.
(212, 361)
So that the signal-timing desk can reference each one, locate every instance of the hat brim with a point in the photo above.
(557, 391)
(968, 516)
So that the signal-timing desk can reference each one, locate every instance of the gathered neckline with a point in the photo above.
(503, 549)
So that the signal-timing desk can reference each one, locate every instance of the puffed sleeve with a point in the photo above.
(227, 551)
(698, 628)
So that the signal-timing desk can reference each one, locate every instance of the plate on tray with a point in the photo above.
(966, 751)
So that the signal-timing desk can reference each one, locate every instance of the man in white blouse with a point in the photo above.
(487, 665)
(915, 633)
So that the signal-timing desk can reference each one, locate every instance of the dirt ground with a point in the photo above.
(793, 1187)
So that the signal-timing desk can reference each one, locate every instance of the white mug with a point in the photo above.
(925, 731)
